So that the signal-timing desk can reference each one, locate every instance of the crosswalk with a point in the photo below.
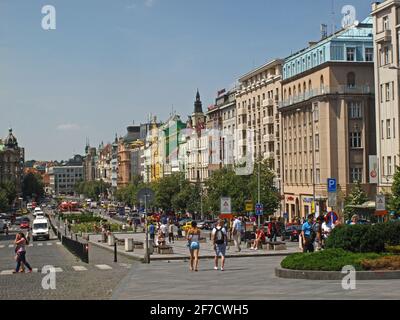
(80, 268)
(38, 244)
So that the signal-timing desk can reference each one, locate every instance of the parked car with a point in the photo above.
(292, 232)
(208, 224)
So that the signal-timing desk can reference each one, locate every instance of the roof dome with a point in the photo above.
(11, 141)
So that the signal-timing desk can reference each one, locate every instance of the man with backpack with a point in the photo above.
(219, 238)
(308, 234)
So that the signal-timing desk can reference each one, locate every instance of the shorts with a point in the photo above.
(220, 250)
(194, 246)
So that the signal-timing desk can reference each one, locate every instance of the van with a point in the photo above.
(40, 229)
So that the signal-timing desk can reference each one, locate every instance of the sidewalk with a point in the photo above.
(181, 252)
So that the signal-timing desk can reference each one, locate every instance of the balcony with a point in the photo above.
(242, 126)
(268, 120)
(384, 36)
(268, 138)
(268, 103)
(325, 90)
(241, 111)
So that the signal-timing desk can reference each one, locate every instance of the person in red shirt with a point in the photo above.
(260, 238)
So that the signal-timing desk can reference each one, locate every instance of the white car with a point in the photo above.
(38, 213)
(40, 229)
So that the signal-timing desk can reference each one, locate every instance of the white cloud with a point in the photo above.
(149, 3)
(68, 127)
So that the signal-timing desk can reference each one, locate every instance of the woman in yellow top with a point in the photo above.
(193, 238)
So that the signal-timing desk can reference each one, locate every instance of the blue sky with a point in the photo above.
(112, 62)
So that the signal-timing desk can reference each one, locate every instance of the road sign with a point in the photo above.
(332, 199)
(226, 205)
(249, 205)
(259, 209)
(380, 203)
(332, 187)
(145, 195)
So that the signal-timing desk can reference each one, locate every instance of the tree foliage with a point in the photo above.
(32, 186)
(394, 198)
(357, 196)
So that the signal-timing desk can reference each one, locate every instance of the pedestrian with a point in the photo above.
(164, 230)
(193, 238)
(318, 231)
(260, 238)
(171, 228)
(354, 219)
(152, 231)
(237, 233)
(326, 230)
(21, 242)
(219, 238)
(272, 230)
(308, 234)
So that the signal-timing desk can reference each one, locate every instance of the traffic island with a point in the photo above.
(328, 265)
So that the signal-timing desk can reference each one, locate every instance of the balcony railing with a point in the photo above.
(268, 137)
(268, 103)
(268, 120)
(326, 90)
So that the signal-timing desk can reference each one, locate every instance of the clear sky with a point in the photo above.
(112, 62)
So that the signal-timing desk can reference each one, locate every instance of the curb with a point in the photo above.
(335, 275)
(183, 258)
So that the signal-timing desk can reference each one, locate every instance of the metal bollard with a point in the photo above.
(115, 251)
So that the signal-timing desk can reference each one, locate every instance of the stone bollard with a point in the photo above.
(111, 240)
(128, 245)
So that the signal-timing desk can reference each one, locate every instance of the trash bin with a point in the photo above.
(128, 245)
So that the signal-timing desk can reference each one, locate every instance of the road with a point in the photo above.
(74, 279)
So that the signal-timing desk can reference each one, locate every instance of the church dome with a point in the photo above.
(11, 142)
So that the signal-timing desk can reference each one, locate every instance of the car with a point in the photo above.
(40, 229)
(24, 224)
(38, 213)
(292, 232)
(184, 221)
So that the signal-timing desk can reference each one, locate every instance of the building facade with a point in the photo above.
(386, 18)
(257, 111)
(64, 177)
(328, 120)
(12, 158)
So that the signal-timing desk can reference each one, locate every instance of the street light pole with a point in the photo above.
(146, 250)
(259, 191)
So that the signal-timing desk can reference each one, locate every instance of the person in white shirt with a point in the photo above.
(171, 229)
(237, 233)
(327, 228)
(219, 239)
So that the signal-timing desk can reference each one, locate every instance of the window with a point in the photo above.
(382, 130)
(369, 54)
(388, 129)
(316, 112)
(394, 128)
(355, 110)
(351, 80)
(317, 142)
(355, 139)
(389, 166)
(383, 166)
(317, 176)
(387, 90)
(385, 21)
(351, 54)
(355, 175)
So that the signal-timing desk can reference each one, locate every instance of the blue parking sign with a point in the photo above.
(332, 186)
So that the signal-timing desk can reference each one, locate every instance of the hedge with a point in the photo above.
(365, 238)
(327, 260)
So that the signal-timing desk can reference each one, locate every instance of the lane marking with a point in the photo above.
(79, 268)
(6, 272)
(103, 267)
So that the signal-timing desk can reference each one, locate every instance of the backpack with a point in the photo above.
(219, 236)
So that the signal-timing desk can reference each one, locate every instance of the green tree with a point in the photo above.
(32, 186)
(166, 188)
(10, 190)
(3, 200)
(357, 196)
(394, 198)
(269, 195)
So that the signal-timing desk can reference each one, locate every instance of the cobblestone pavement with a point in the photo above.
(74, 279)
(245, 278)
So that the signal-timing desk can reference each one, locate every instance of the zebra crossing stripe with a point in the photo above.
(35, 270)
(49, 244)
(57, 269)
(31, 245)
(103, 267)
(10, 245)
(40, 244)
(6, 272)
(1, 246)
(59, 243)
(79, 268)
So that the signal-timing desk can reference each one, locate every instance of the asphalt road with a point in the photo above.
(74, 279)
